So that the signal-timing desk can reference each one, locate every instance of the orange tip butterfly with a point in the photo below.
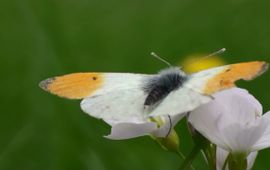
(122, 96)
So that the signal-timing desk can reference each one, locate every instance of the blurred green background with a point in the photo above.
(44, 38)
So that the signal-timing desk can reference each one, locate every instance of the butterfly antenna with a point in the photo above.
(216, 53)
(210, 55)
(160, 59)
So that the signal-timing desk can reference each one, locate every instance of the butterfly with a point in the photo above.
(118, 97)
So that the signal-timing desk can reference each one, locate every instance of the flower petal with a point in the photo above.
(221, 156)
(238, 104)
(229, 120)
(251, 159)
(242, 138)
(131, 130)
(206, 120)
(264, 141)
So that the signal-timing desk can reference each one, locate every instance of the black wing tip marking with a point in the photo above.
(45, 83)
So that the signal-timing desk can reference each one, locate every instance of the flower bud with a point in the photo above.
(170, 142)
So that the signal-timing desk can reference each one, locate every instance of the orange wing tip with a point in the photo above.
(73, 86)
(264, 68)
(234, 72)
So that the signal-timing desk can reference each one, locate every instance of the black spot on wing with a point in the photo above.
(159, 86)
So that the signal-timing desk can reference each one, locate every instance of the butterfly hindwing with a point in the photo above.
(180, 101)
(115, 106)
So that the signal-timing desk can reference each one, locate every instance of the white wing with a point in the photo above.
(198, 88)
(116, 106)
(198, 81)
(120, 99)
(189, 96)
(121, 82)
(180, 101)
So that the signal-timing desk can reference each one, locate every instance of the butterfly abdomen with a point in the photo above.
(156, 94)
(159, 86)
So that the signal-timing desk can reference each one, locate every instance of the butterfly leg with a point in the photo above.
(170, 129)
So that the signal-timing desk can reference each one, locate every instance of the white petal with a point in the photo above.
(242, 138)
(134, 128)
(131, 130)
(228, 120)
(251, 159)
(264, 141)
(221, 156)
(243, 93)
(267, 115)
(238, 104)
(206, 120)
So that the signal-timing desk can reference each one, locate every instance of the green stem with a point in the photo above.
(210, 154)
(182, 156)
(225, 163)
(237, 161)
(186, 165)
